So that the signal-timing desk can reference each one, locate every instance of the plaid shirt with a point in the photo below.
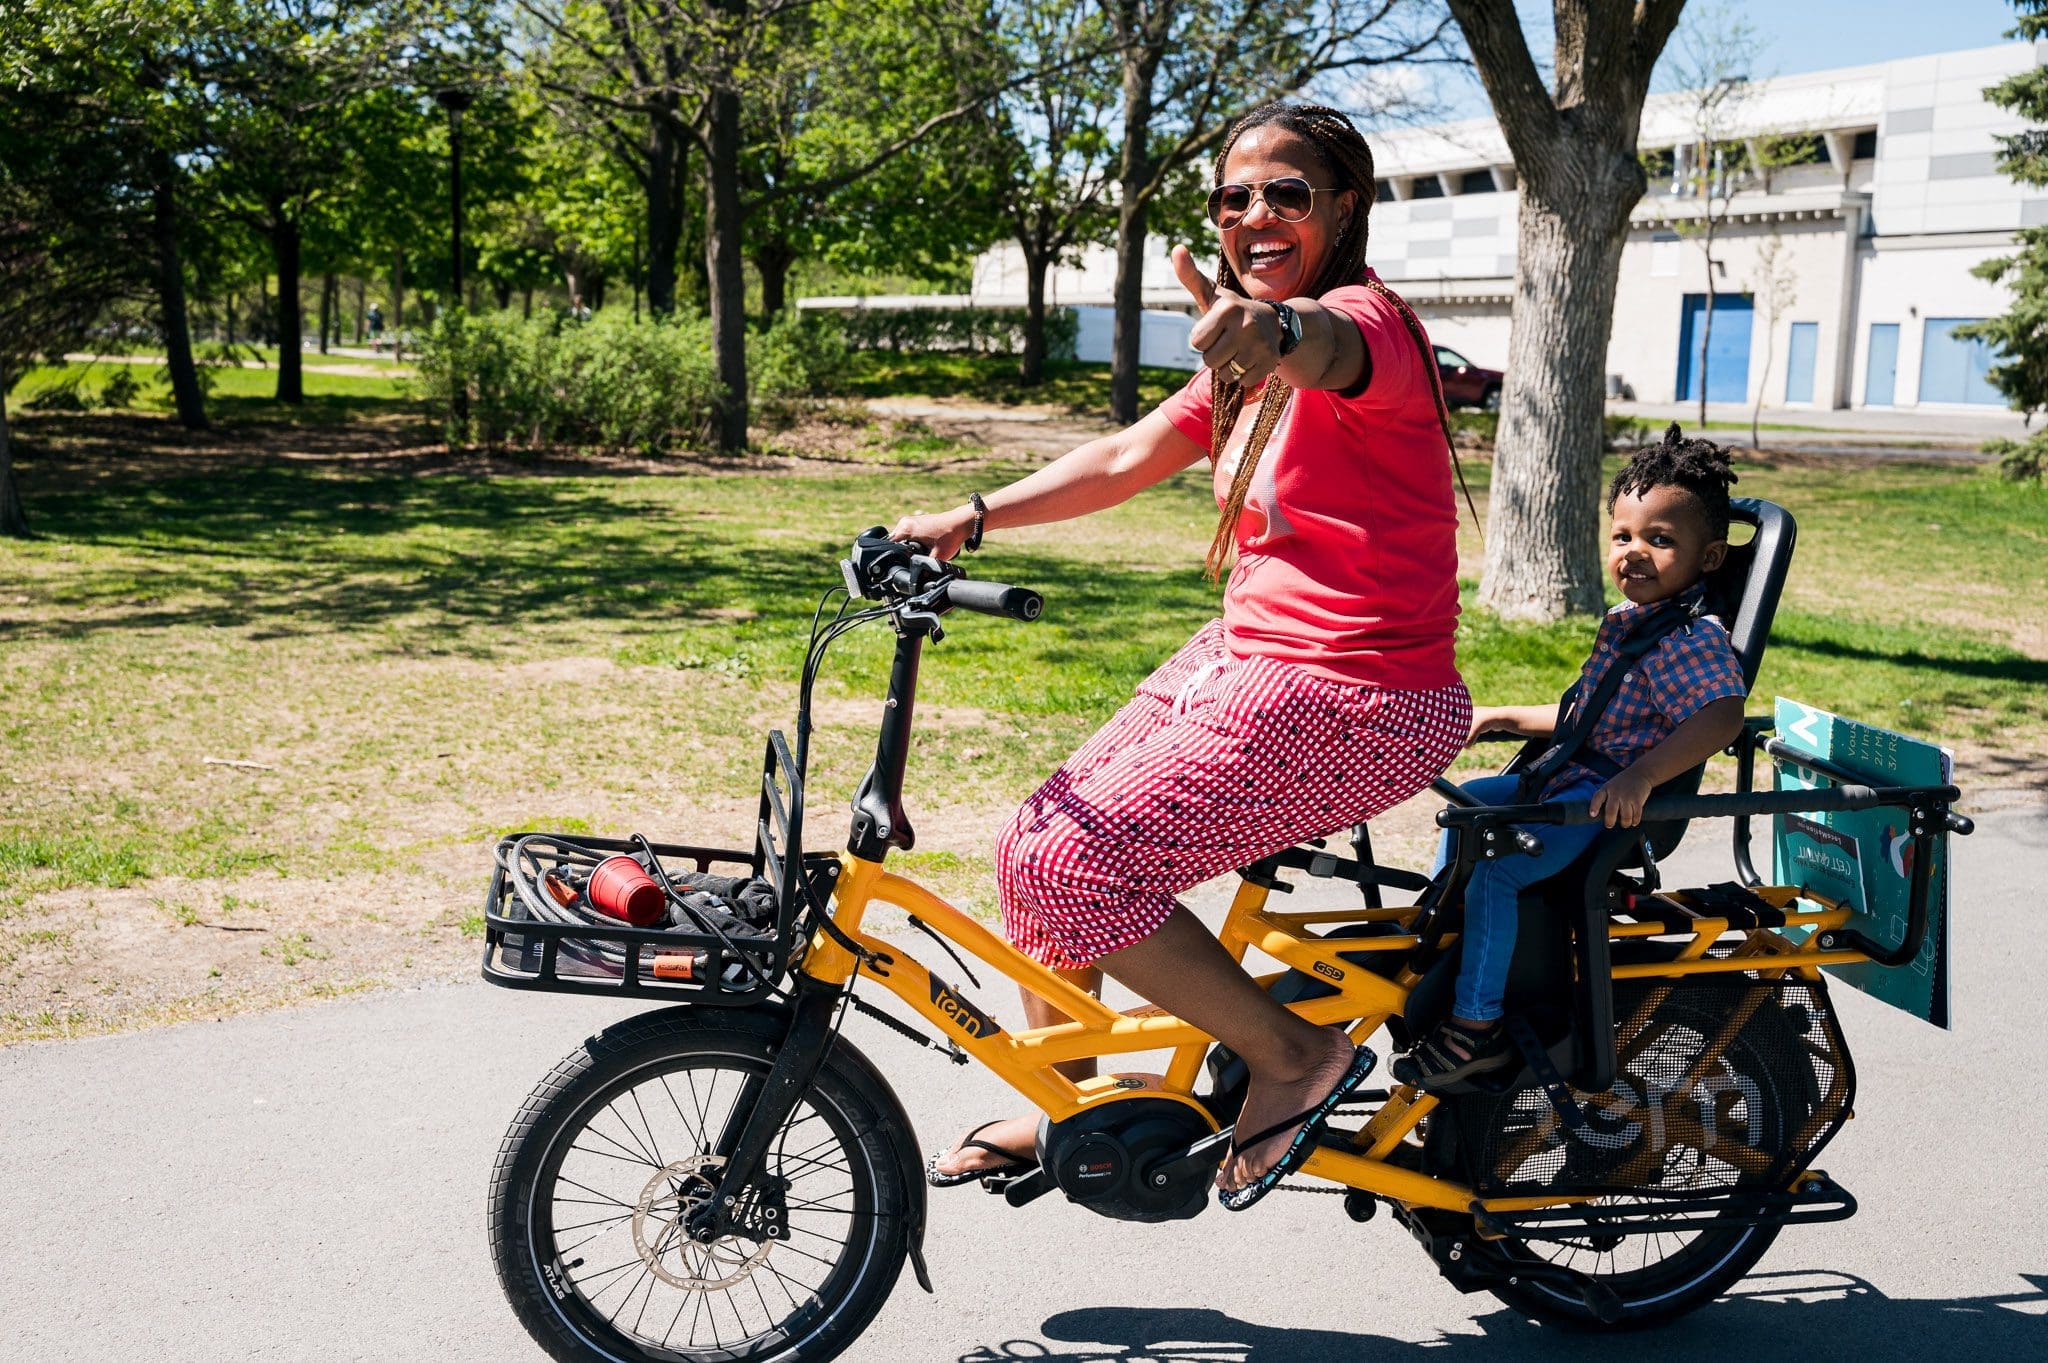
(1692, 666)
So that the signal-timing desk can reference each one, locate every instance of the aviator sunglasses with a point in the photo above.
(1288, 198)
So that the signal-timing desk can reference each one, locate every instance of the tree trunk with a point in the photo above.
(234, 305)
(327, 302)
(362, 292)
(723, 265)
(501, 294)
(1542, 540)
(170, 298)
(664, 186)
(774, 259)
(1031, 365)
(284, 244)
(1706, 333)
(397, 295)
(1133, 174)
(526, 307)
(13, 518)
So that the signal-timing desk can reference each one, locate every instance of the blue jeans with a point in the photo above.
(1495, 886)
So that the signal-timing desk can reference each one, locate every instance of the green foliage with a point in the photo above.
(797, 357)
(609, 381)
(2022, 461)
(2021, 335)
(977, 331)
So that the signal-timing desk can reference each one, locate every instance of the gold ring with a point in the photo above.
(1237, 371)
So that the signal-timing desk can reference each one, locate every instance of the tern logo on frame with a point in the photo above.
(960, 1012)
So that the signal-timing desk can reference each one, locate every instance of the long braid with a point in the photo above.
(1345, 154)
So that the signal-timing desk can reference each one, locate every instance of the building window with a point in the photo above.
(1866, 146)
(1425, 187)
(1476, 182)
(1382, 191)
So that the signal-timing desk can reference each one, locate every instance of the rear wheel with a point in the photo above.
(609, 1155)
(1489, 401)
(1672, 1124)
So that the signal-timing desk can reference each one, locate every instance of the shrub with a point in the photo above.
(120, 389)
(609, 381)
(2021, 461)
(797, 358)
(978, 331)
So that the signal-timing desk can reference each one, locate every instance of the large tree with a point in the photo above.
(1574, 146)
(1054, 194)
(658, 78)
(110, 82)
(1187, 68)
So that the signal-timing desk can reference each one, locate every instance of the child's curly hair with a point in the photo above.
(1700, 467)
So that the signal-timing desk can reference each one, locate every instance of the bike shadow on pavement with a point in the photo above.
(1771, 1315)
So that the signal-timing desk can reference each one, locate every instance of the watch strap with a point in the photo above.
(1290, 328)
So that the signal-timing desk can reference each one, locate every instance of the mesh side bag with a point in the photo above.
(1723, 1083)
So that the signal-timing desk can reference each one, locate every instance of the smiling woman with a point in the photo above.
(1327, 692)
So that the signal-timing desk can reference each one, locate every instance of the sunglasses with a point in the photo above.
(1288, 198)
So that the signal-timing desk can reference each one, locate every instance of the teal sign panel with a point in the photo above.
(1863, 858)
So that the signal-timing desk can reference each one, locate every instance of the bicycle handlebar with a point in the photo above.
(995, 598)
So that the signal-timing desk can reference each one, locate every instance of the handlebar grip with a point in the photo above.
(995, 598)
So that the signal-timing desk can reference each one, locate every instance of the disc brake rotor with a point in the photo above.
(665, 1246)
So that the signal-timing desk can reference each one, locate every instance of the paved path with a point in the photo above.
(309, 1184)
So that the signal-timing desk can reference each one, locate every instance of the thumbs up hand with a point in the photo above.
(1236, 334)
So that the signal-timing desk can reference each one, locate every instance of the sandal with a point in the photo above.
(1014, 1162)
(1453, 1053)
(1312, 1121)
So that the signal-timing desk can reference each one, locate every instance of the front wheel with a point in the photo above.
(604, 1163)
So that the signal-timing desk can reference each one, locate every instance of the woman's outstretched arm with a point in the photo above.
(1088, 478)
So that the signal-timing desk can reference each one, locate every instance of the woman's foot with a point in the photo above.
(1457, 1050)
(1273, 1098)
(1006, 1146)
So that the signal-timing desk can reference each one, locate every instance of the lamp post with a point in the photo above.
(455, 101)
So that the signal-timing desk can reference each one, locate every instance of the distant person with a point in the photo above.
(376, 326)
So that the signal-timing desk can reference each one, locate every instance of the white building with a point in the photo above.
(1896, 196)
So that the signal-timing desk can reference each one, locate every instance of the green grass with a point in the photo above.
(993, 379)
(429, 658)
(236, 394)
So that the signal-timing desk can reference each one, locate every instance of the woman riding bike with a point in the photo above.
(1327, 692)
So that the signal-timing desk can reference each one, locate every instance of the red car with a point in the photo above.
(1467, 384)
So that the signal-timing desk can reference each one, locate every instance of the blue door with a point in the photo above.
(1799, 361)
(1953, 369)
(1881, 375)
(1727, 361)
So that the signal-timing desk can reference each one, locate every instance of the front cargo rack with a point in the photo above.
(730, 925)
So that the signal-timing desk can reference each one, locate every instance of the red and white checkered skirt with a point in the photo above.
(1216, 762)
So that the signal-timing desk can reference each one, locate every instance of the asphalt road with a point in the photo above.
(309, 1185)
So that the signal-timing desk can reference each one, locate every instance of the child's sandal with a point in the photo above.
(1453, 1053)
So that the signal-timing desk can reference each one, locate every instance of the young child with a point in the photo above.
(1680, 702)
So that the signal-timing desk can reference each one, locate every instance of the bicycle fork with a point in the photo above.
(764, 1109)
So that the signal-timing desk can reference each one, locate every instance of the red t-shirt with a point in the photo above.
(1347, 549)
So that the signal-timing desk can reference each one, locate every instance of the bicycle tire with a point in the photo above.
(1703, 1267)
(845, 1171)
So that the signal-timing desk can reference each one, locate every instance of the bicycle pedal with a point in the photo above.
(1018, 1189)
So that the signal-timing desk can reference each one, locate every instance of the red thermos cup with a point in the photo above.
(621, 888)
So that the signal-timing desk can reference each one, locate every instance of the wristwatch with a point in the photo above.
(1290, 328)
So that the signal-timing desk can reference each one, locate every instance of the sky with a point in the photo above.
(1798, 35)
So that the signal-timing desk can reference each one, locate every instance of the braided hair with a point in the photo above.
(1699, 468)
(1348, 160)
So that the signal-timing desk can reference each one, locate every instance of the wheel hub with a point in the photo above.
(661, 1230)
